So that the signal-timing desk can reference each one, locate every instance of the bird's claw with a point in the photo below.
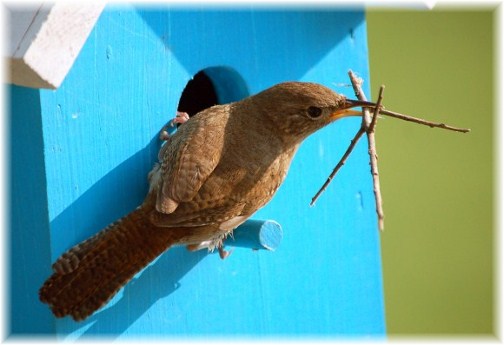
(163, 133)
(224, 253)
(181, 118)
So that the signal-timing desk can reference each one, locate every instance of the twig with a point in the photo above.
(422, 121)
(338, 166)
(373, 160)
(369, 125)
(377, 109)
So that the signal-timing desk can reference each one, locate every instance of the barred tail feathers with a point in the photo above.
(88, 275)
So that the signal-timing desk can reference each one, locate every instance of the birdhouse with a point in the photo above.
(94, 86)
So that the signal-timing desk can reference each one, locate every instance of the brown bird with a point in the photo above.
(220, 167)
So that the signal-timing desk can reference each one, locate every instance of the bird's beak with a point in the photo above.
(346, 109)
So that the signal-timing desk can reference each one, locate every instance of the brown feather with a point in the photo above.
(91, 273)
(215, 172)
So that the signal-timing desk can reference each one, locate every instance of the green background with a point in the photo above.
(437, 185)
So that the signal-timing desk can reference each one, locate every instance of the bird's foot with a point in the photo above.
(210, 244)
(181, 118)
(224, 253)
(163, 133)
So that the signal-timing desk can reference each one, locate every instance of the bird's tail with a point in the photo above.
(90, 274)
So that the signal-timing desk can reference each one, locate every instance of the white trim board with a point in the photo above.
(46, 39)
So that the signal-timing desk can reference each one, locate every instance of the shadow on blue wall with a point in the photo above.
(29, 240)
(102, 204)
(85, 224)
(238, 32)
(107, 323)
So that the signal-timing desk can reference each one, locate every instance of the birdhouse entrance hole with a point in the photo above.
(211, 86)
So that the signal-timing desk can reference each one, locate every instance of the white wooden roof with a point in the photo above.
(45, 40)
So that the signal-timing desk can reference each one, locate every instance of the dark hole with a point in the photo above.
(198, 95)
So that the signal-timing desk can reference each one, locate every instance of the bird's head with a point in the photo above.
(298, 109)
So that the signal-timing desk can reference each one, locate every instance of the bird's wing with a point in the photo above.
(189, 157)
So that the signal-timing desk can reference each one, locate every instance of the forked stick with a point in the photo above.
(368, 126)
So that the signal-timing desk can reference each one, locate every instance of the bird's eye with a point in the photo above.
(314, 112)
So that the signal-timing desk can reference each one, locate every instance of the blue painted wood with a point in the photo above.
(29, 222)
(97, 139)
(256, 234)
